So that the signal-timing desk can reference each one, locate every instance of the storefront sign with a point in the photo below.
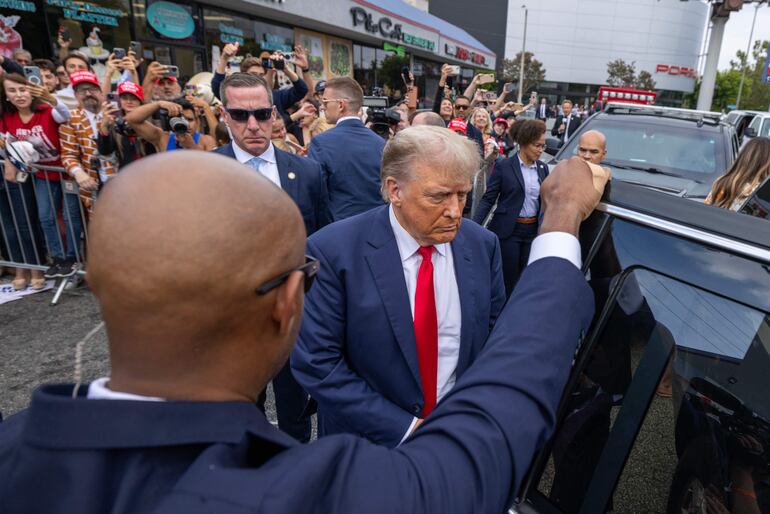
(682, 71)
(89, 13)
(170, 20)
(385, 27)
(17, 5)
(229, 34)
(400, 50)
(275, 43)
(463, 54)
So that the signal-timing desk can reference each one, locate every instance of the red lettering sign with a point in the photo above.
(680, 71)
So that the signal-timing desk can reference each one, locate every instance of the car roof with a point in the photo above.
(716, 221)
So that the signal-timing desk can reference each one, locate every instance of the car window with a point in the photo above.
(755, 123)
(732, 117)
(765, 132)
(687, 368)
(680, 149)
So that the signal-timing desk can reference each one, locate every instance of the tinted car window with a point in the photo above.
(755, 123)
(765, 132)
(704, 441)
(683, 149)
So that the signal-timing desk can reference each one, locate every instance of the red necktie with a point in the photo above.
(426, 329)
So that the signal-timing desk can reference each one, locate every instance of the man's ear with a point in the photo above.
(288, 304)
(394, 191)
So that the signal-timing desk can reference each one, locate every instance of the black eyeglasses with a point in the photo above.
(310, 268)
(242, 115)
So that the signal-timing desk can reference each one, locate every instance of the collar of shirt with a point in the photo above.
(91, 116)
(98, 390)
(345, 118)
(523, 166)
(407, 245)
(243, 156)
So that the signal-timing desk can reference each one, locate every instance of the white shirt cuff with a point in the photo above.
(409, 430)
(556, 244)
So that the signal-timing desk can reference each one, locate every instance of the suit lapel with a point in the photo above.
(542, 171)
(289, 176)
(517, 171)
(466, 285)
(385, 264)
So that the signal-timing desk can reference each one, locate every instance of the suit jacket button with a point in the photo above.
(416, 409)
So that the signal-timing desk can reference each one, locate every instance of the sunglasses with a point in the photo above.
(463, 107)
(309, 269)
(242, 115)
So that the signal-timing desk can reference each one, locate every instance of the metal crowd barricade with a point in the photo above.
(40, 217)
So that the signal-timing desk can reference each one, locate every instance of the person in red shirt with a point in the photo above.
(31, 113)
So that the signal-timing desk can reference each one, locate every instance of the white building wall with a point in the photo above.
(575, 39)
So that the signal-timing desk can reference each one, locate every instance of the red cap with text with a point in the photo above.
(458, 125)
(131, 89)
(502, 120)
(82, 77)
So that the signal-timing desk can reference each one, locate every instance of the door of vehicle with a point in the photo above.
(668, 407)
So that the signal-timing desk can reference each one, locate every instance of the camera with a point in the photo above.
(179, 125)
(380, 115)
(123, 127)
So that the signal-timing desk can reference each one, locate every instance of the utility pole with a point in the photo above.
(706, 94)
(748, 49)
(523, 51)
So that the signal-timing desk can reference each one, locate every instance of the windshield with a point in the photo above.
(692, 152)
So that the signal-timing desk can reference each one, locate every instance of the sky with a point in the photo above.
(738, 29)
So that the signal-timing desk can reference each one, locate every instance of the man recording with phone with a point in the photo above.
(161, 82)
(179, 126)
(283, 98)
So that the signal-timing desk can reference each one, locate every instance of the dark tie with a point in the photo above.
(426, 329)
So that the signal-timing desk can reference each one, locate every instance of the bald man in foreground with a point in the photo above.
(174, 429)
(592, 147)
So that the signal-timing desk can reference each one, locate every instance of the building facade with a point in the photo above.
(370, 41)
(575, 39)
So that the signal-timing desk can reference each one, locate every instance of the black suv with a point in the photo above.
(668, 406)
(677, 151)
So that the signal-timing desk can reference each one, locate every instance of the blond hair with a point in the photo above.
(486, 128)
(437, 147)
(750, 168)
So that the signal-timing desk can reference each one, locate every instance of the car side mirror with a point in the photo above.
(750, 132)
(552, 146)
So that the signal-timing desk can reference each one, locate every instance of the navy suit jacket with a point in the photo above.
(350, 156)
(506, 187)
(66, 455)
(356, 354)
(307, 187)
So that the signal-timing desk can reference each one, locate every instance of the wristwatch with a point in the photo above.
(305, 70)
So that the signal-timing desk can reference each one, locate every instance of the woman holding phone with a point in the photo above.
(31, 113)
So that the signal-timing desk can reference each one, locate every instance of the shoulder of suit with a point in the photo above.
(354, 230)
(476, 233)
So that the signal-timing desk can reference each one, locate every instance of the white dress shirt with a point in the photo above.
(267, 164)
(98, 390)
(531, 189)
(566, 127)
(542, 110)
(347, 118)
(447, 295)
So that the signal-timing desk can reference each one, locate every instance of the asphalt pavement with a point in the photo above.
(37, 346)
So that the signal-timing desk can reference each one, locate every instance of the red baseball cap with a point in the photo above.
(501, 120)
(82, 77)
(458, 125)
(169, 77)
(131, 89)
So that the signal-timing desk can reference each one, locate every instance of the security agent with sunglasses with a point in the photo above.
(174, 428)
(514, 185)
(249, 114)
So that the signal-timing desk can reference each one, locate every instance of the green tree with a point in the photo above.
(622, 74)
(726, 89)
(389, 73)
(534, 73)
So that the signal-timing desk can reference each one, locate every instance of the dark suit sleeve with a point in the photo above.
(315, 152)
(497, 287)
(216, 81)
(319, 364)
(294, 94)
(472, 452)
(437, 100)
(322, 214)
(490, 196)
(555, 129)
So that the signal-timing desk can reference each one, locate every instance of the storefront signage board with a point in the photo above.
(170, 20)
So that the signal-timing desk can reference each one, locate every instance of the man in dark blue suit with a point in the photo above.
(362, 354)
(349, 153)
(174, 429)
(249, 113)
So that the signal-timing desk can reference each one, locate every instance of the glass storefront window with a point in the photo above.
(161, 20)
(364, 61)
(222, 27)
(273, 38)
(22, 26)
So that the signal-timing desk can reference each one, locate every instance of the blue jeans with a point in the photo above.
(49, 198)
(20, 229)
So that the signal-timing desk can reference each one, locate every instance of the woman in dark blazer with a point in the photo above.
(515, 185)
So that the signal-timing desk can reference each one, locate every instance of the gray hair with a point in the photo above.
(434, 146)
(241, 79)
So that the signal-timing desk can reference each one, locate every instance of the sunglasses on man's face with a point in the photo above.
(242, 115)
(309, 269)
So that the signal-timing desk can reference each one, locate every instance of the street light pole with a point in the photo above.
(523, 50)
(748, 49)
